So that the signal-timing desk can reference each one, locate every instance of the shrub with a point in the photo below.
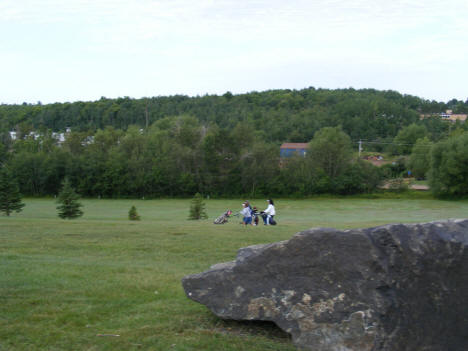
(133, 215)
(360, 177)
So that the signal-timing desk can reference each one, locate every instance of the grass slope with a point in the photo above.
(72, 285)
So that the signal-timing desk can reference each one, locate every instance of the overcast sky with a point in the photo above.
(70, 50)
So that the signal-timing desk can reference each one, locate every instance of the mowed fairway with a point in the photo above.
(75, 285)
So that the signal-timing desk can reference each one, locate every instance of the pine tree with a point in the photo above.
(133, 214)
(70, 207)
(197, 208)
(10, 198)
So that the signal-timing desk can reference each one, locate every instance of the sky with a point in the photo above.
(82, 50)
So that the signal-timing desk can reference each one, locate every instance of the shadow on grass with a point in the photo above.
(251, 328)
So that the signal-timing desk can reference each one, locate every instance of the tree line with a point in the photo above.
(276, 115)
(225, 145)
(180, 157)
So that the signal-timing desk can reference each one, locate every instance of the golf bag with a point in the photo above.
(271, 220)
(223, 218)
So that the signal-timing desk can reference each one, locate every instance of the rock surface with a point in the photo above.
(394, 287)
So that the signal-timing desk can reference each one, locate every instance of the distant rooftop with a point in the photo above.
(295, 146)
(289, 149)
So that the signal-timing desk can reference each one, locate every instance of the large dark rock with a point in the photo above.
(395, 287)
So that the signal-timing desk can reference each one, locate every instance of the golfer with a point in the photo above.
(269, 213)
(246, 213)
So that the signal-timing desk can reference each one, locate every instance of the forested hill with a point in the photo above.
(276, 115)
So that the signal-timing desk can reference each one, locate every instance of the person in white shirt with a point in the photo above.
(269, 213)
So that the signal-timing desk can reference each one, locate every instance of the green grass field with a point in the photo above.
(73, 285)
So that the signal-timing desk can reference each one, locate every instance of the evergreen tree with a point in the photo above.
(70, 207)
(197, 208)
(133, 214)
(10, 198)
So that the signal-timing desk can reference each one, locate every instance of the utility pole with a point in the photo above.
(360, 147)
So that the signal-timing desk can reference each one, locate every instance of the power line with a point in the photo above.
(385, 143)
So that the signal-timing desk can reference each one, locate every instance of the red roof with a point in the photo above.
(294, 146)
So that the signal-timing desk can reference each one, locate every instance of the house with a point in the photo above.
(34, 135)
(289, 149)
(447, 115)
(60, 137)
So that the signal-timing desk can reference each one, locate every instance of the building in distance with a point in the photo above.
(447, 116)
(290, 149)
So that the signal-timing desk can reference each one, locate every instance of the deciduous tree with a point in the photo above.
(449, 167)
(330, 150)
(407, 137)
(419, 161)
